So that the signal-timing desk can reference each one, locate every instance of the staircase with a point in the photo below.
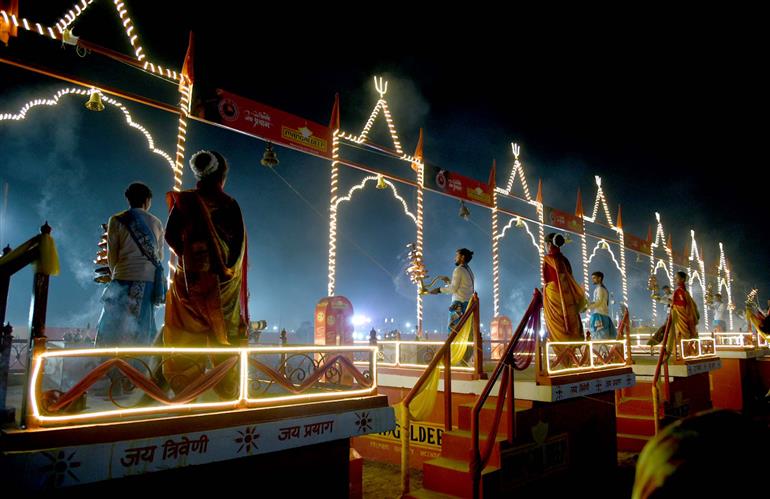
(634, 417)
(449, 474)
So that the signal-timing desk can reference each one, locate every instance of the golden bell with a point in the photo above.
(519, 223)
(269, 159)
(465, 213)
(95, 102)
(567, 239)
(381, 182)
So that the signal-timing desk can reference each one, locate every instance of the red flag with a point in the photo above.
(188, 75)
(334, 120)
(418, 152)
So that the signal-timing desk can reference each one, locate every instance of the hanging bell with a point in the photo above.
(381, 182)
(567, 239)
(465, 213)
(519, 223)
(95, 102)
(269, 159)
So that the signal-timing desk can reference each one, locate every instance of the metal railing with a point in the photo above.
(505, 368)
(442, 355)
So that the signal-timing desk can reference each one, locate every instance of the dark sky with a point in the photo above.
(668, 113)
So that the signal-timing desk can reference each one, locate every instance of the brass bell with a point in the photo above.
(95, 102)
(269, 159)
(465, 213)
(381, 182)
(519, 223)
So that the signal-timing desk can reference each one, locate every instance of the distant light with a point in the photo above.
(275, 328)
(408, 324)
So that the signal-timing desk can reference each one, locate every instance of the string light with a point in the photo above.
(419, 241)
(518, 169)
(381, 86)
(495, 258)
(662, 265)
(602, 244)
(723, 277)
(55, 99)
(660, 239)
(697, 273)
(243, 399)
(9, 17)
(518, 221)
(600, 199)
(333, 212)
(363, 183)
(624, 280)
(69, 16)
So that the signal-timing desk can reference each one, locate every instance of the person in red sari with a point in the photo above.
(684, 313)
(207, 300)
(563, 298)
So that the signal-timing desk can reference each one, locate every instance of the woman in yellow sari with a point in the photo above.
(207, 300)
(563, 297)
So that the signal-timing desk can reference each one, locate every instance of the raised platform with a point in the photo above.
(65, 456)
(525, 387)
(745, 353)
(645, 366)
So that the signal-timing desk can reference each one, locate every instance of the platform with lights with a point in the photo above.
(528, 409)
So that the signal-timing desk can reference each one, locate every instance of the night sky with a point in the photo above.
(666, 114)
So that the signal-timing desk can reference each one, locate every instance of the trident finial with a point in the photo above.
(516, 149)
(381, 86)
(598, 180)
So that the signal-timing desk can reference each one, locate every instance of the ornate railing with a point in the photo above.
(740, 340)
(569, 357)
(697, 348)
(126, 382)
(416, 354)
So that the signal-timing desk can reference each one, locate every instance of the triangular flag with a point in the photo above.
(418, 152)
(188, 73)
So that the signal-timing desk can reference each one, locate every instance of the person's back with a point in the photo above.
(207, 301)
(703, 456)
(126, 260)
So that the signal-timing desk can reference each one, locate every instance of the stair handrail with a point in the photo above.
(443, 354)
(662, 362)
(504, 367)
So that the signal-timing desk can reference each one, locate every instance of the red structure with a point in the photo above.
(333, 321)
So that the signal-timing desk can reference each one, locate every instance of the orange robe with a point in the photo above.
(685, 315)
(206, 305)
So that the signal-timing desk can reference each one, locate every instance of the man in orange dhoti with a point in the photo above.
(207, 301)
(684, 314)
(563, 297)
